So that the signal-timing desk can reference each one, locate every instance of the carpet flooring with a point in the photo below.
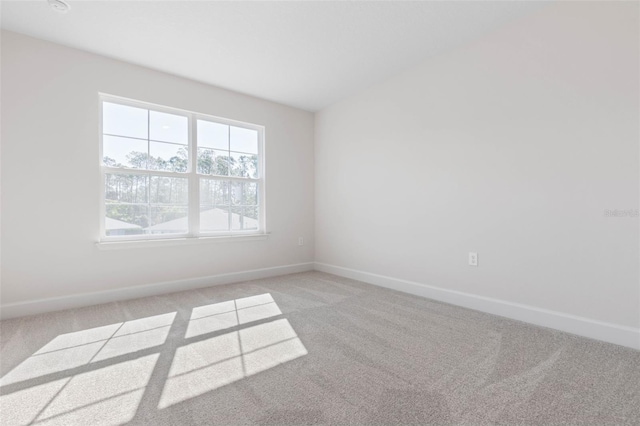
(308, 348)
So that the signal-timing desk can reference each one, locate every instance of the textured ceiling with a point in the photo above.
(303, 54)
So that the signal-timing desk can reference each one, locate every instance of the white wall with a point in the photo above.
(51, 178)
(513, 147)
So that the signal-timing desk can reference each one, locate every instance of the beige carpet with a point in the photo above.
(308, 348)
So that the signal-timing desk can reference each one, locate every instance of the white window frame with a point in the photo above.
(191, 174)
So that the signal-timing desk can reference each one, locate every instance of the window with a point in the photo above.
(170, 173)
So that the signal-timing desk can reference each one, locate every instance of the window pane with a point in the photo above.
(244, 218)
(244, 140)
(244, 193)
(250, 196)
(168, 127)
(168, 220)
(244, 165)
(125, 219)
(213, 135)
(214, 192)
(168, 190)
(168, 156)
(212, 162)
(214, 219)
(250, 220)
(124, 152)
(125, 188)
(124, 120)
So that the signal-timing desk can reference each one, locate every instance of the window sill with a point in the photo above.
(167, 242)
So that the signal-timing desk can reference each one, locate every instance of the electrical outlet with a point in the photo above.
(473, 258)
(300, 241)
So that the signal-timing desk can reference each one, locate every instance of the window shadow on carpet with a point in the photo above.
(117, 371)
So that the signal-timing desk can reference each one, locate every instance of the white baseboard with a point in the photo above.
(599, 330)
(32, 307)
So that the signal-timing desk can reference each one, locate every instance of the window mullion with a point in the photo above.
(148, 185)
(262, 212)
(148, 174)
(125, 171)
(194, 183)
(230, 207)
